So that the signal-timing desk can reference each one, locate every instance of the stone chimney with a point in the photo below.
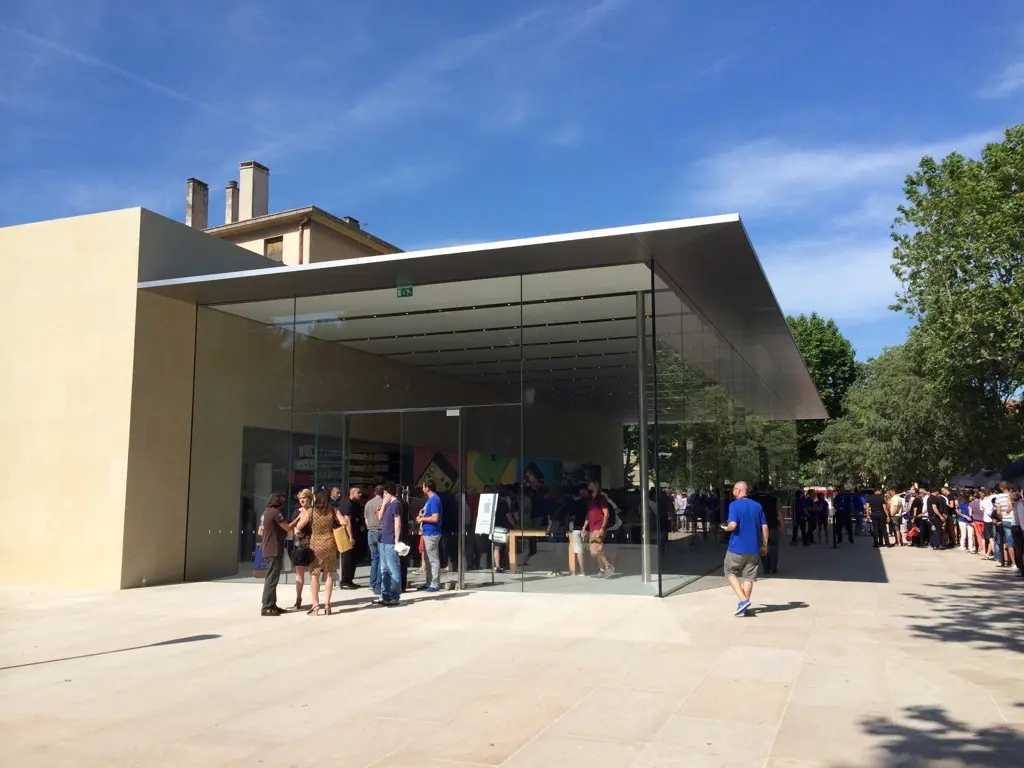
(231, 203)
(254, 192)
(197, 204)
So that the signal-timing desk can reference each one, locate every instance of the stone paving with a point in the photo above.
(854, 658)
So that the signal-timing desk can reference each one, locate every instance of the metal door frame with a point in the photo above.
(458, 409)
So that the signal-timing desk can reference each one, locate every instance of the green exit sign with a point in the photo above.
(405, 291)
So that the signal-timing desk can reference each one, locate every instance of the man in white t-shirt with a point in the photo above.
(1002, 523)
(986, 517)
(679, 505)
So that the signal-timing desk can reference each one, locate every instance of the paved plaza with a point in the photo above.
(854, 658)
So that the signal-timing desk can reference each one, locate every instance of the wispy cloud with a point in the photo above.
(92, 61)
(845, 278)
(827, 210)
(1006, 83)
(769, 176)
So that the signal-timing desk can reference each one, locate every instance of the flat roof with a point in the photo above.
(707, 282)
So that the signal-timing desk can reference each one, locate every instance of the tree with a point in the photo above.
(830, 359)
(903, 424)
(960, 256)
(889, 432)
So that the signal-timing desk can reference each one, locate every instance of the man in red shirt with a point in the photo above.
(598, 517)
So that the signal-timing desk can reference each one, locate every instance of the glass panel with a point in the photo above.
(581, 379)
(241, 435)
(492, 438)
(718, 424)
(430, 454)
(385, 366)
(373, 459)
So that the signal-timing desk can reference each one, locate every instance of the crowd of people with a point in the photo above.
(329, 534)
(982, 522)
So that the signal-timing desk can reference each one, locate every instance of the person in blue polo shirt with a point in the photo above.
(749, 540)
(430, 519)
(844, 503)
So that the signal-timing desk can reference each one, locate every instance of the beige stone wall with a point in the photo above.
(327, 244)
(169, 250)
(116, 477)
(244, 377)
(65, 396)
(156, 503)
(290, 236)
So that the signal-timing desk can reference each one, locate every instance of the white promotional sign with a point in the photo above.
(485, 513)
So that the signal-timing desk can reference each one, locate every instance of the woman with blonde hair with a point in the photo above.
(302, 555)
(325, 550)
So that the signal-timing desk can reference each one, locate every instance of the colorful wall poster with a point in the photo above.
(439, 466)
(488, 469)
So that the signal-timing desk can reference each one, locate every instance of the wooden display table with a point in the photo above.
(527, 533)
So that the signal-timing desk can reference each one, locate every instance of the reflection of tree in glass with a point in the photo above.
(730, 442)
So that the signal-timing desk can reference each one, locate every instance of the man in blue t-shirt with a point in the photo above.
(749, 540)
(844, 503)
(430, 519)
(390, 535)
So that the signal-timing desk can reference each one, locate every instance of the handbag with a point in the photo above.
(500, 536)
(302, 555)
(342, 539)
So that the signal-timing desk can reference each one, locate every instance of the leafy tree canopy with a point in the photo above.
(960, 256)
(830, 359)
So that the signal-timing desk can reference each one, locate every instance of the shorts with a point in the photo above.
(988, 531)
(895, 525)
(596, 544)
(742, 566)
(1008, 533)
(577, 542)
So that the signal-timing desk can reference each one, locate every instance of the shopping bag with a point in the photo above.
(259, 563)
(342, 539)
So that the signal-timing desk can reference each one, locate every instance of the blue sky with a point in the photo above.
(454, 121)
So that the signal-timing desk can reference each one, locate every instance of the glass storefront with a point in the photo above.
(528, 387)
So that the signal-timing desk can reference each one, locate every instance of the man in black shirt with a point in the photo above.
(770, 505)
(919, 519)
(938, 506)
(879, 524)
(351, 510)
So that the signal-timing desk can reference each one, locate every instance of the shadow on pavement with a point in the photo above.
(985, 612)
(856, 563)
(174, 641)
(790, 606)
(929, 736)
(361, 603)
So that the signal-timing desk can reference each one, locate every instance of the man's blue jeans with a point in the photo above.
(390, 572)
(373, 541)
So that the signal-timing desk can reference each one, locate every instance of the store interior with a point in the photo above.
(532, 384)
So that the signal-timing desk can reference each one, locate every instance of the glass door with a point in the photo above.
(492, 464)
(430, 455)
(464, 452)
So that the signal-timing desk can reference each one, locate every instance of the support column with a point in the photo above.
(641, 401)
(345, 482)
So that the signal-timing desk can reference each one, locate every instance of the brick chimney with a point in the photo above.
(254, 190)
(197, 204)
(231, 203)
